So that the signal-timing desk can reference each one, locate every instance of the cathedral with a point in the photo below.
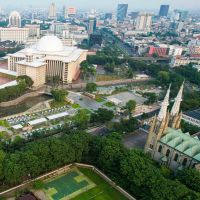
(166, 143)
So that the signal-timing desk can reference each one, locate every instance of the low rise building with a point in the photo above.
(19, 35)
(34, 30)
(178, 61)
(192, 117)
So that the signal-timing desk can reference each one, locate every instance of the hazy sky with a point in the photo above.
(104, 4)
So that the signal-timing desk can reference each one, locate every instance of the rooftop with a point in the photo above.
(194, 114)
(35, 63)
(182, 142)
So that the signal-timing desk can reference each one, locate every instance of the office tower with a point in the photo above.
(14, 19)
(108, 16)
(92, 25)
(122, 11)
(180, 26)
(52, 11)
(180, 15)
(133, 15)
(183, 15)
(164, 9)
(64, 11)
(143, 22)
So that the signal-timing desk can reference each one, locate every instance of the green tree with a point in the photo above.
(163, 77)
(59, 95)
(102, 115)
(91, 87)
(130, 107)
(191, 178)
(29, 82)
(81, 119)
(38, 185)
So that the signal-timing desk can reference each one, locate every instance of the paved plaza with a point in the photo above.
(124, 97)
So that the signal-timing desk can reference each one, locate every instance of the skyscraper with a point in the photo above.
(71, 12)
(122, 11)
(164, 9)
(52, 11)
(92, 25)
(14, 19)
(143, 22)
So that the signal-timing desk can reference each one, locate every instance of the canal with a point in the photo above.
(23, 106)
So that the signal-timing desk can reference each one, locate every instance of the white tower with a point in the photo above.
(52, 11)
(15, 19)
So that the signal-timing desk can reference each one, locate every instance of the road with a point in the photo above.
(108, 83)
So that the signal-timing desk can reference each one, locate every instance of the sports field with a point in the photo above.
(68, 186)
(102, 191)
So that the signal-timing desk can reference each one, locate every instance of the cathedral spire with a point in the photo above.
(177, 102)
(163, 111)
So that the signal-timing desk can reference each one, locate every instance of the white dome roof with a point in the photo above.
(50, 44)
(15, 13)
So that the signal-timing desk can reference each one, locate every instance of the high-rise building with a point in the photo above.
(183, 15)
(133, 15)
(108, 16)
(122, 11)
(64, 11)
(92, 25)
(52, 11)
(180, 15)
(71, 12)
(143, 22)
(164, 9)
(15, 19)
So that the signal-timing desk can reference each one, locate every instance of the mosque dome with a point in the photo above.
(50, 44)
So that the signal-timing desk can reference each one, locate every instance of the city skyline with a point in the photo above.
(111, 5)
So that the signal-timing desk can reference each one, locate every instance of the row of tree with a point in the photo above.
(132, 169)
(12, 92)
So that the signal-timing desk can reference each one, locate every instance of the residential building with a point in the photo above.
(52, 11)
(144, 22)
(71, 12)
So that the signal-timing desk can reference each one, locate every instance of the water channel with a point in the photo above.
(23, 106)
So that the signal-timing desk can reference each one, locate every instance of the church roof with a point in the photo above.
(182, 142)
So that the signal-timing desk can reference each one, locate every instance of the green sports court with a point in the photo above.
(68, 185)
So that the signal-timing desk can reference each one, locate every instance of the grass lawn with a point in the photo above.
(75, 106)
(109, 104)
(104, 77)
(99, 100)
(55, 104)
(4, 123)
(102, 191)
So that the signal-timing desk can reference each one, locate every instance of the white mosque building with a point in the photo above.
(48, 58)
